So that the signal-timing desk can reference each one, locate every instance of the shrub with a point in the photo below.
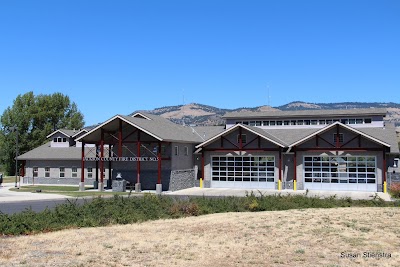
(395, 190)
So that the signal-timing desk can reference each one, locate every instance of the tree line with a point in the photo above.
(32, 118)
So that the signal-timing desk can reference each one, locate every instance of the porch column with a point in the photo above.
(120, 138)
(202, 169)
(280, 170)
(101, 184)
(384, 171)
(138, 185)
(82, 183)
(97, 166)
(295, 170)
(109, 167)
(159, 185)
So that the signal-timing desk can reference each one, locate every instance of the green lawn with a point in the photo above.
(8, 179)
(72, 191)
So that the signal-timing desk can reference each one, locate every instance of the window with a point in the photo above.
(338, 169)
(314, 122)
(278, 122)
(62, 172)
(244, 139)
(59, 139)
(321, 122)
(266, 123)
(55, 139)
(299, 122)
(89, 172)
(307, 122)
(186, 151)
(286, 122)
(367, 120)
(340, 138)
(245, 123)
(243, 169)
(293, 122)
(64, 140)
(176, 150)
(258, 123)
(272, 123)
(359, 121)
(47, 172)
(252, 123)
(35, 171)
(74, 172)
(352, 121)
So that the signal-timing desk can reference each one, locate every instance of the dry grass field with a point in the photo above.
(309, 237)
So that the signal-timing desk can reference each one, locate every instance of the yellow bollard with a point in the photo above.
(384, 187)
(294, 185)
(201, 182)
(279, 185)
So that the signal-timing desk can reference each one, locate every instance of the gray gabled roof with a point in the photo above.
(46, 152)
(306, 113)
(328, 127)
(156, 126)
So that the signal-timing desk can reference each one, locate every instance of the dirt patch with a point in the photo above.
(309, 237)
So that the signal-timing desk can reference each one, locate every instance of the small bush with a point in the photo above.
(395, 190)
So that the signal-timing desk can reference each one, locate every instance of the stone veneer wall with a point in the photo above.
(182, 179)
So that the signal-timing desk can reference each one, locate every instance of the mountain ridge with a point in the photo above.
(206, 115)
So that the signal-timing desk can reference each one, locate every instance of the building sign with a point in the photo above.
(120, 159)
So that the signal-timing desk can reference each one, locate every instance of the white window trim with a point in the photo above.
(59, 172)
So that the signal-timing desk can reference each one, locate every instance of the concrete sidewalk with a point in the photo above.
(12, 196)
(217, 192)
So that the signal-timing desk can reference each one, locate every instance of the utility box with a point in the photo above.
(119, 185)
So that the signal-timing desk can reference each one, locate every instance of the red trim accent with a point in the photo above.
(102, 156)
(120, 138)
(159, 163)
(318, 149)
(352, 139)
(230, 142)
(138, 154)
(233, 149)
(257, 137)
(83, 163)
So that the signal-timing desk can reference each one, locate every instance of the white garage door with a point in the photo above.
(243, 172)
(355, 173)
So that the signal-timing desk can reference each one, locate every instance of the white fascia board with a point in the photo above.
(333, 125)
(231, 129)
(123, 119)
(141, 114)
(83, 130)
(58, 131)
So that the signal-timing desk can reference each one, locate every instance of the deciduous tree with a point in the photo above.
(35, 117)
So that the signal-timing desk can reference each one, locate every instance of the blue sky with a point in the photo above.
(114, 57)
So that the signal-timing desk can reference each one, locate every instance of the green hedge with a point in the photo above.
(123, 210)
